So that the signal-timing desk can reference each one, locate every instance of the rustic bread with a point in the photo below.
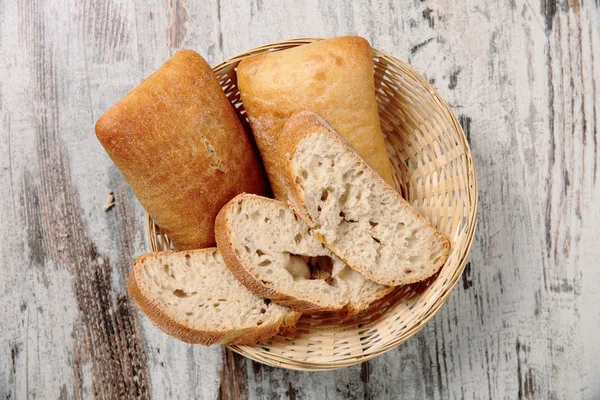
(333, 78)
(353, 211)
(179, 144)
(274, 254)
(192, 296)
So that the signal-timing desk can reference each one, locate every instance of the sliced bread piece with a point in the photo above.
(354, 212)
(274, 254)
(192, 296)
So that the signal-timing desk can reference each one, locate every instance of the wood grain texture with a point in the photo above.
(523, 76)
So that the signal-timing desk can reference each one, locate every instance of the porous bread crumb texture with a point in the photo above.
(278, 250)
(361, 218)
(198, 290)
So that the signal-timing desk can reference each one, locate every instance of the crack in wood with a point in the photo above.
(177, 30)
(465, 123)
(418, 46)
(453, 79)
(467, 278)
(233, 378)
(365, 377)
(549, 8)
(429, 17)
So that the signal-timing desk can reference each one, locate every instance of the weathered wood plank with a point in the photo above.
(523, 78)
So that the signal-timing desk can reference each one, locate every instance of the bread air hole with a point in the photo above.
(413, 259)
(187, 260)
(247, 249)
(344, 198)
(180, 293)
(376, 239)
(324, 195)
(297, 267)
(373, 224)
(321, 267)
(313, 268)
(298, 238)
(264, 263)
(255, 216)
(343, 215)
(408, 271)
(168, 271)
(412, 237)
(260, 253)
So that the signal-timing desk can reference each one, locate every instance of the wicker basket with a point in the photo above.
(433, 171)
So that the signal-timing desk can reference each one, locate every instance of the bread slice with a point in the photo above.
(274, 254)
(333, 78)
(192, 296)
(361, 218)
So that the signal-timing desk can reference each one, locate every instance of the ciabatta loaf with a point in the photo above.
(355, 213)
(179, 144)
(274, 254)
(192, 296)
(333, 78)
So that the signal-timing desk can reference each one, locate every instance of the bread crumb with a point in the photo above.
(60, 248)
(110, 200)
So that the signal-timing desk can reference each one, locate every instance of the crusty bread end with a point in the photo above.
(354, 212)
(247, 320)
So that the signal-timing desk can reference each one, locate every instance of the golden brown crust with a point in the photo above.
(182, 331)
(239, 269)
(179, 144)
(306, 123)
(298, 126)
(333, 78)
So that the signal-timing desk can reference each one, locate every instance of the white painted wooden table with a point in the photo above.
(522, 76)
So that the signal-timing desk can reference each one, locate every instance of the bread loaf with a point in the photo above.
(192, 296)
(274, 254)
(354, 212)
(179, 144)
(333, 78)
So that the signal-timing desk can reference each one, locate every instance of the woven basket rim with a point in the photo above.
(457, 271)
